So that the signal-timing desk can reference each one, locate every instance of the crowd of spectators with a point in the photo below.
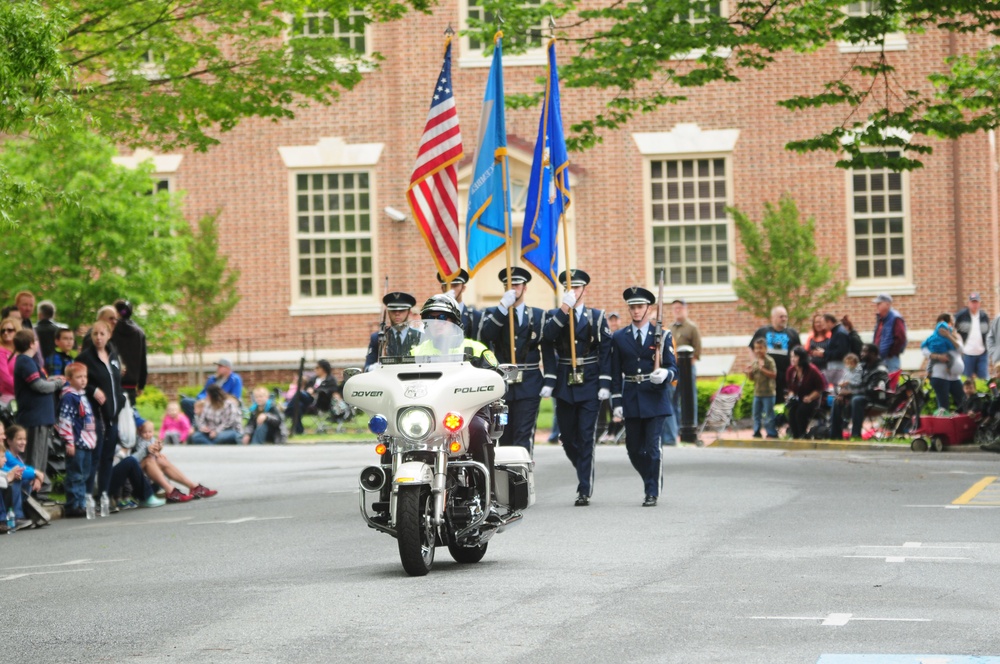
(831, 366)
(74, 402)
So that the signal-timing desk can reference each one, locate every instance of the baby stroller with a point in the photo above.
(720, 410)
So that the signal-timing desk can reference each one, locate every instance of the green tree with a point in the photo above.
(782, 267)
(645, 53)
(168, 74)
(209, 287)
(94, 233)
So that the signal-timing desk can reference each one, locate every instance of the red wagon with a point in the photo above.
(935, 432)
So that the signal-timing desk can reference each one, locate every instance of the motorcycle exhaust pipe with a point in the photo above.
(372, 478)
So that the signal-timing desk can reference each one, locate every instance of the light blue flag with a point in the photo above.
(548, 188)
(486, 226)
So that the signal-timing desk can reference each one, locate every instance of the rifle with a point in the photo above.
(658, 334)
(382, 338)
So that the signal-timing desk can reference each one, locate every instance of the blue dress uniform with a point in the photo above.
(472, 318)
(578, 405)
(399, 339)
(522, 397)
(644, 404)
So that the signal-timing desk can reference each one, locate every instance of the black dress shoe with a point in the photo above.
(650, 501)
(582, 500)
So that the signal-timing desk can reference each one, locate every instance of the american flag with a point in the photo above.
(433, 190)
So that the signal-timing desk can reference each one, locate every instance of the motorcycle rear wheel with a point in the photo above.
(467, 554)
(415, 532)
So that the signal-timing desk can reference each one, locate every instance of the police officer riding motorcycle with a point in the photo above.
(437, 412)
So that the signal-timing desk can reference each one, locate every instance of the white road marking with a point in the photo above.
(914, 545)
(245, 519)
(903, 559)
(955, 507)
(839, 619)
(13, 577)
(123, 524)
(82, 561)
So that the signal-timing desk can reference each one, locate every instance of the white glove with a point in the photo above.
(453, 294)
(546, 392)
(618, 413)
(569, 299)
(603, 394)
(507, 301)
(371, 368)
(658, 376)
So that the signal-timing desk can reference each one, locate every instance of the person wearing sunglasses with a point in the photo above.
(7, 329)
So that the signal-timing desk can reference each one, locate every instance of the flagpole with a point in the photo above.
(562, 225)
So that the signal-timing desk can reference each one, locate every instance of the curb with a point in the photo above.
(799, 444)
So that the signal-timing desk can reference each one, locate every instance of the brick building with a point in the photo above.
(302, 203)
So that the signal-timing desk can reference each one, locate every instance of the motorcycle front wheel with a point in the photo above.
(467, 554)
(414, 529)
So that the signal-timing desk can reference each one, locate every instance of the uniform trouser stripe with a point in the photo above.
(642, 441)
(578, 431)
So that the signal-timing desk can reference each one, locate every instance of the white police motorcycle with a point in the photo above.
(428, 490)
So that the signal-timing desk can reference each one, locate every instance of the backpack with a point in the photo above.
(854, 342)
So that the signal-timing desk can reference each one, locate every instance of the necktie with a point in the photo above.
(638, 336)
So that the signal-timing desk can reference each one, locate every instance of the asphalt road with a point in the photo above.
(751, 556)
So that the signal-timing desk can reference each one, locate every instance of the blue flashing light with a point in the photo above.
(378, 424)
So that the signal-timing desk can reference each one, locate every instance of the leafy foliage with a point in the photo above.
(208, 286)
(782, 267)
(168, 74)
(646, 53)
(94, 233)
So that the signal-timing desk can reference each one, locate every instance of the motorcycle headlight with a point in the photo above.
(415, 423)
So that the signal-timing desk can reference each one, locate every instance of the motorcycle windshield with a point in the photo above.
(425, 341)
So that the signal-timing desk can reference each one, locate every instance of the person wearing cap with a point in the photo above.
(130, 341)
(614, 321)
(230, 382)
(890, 332)
(684, 333)
(523, 395)
(399, 336)
(578, 402)
(973, 324)
(472, 318)
(639, 391)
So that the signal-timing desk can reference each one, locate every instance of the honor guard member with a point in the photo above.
(471, 317)
(578, 393)
(399, 336)
(639, 389)
(523, 394)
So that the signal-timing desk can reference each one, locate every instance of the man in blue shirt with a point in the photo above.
(228, 380)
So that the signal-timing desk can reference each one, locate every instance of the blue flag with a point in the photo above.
(486, 227)
(548, 188)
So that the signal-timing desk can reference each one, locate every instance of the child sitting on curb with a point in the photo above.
(149, 452)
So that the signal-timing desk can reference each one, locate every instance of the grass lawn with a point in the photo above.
(356, 430)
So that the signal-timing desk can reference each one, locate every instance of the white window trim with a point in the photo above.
(331, 152)
(873, 286)
(688, 140)
(892, 41)
(365, 63)
(163, 164)
(696, 53)
(470, 59)
(330, 155)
